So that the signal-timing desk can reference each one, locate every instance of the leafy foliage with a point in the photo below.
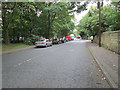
(26, 21)
(0, 24)
(90, 22)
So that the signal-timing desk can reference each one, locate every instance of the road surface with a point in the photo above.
(68, 65)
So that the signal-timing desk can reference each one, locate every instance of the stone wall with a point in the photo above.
(110, 40)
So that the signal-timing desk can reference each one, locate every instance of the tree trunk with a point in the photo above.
(12, 37)
(18, 39)
(5, 30)
(99, 6)
(49, 25)
(5, 23)
(4, 27)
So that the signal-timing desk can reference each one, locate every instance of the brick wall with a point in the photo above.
(110, 40)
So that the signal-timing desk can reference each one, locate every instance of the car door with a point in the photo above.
(48, 42)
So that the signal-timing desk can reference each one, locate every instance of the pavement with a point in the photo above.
(67, 65)
(107, 61)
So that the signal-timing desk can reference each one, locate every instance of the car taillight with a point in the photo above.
(42, 42)
(36, 43)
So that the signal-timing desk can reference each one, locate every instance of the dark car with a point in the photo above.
(66, 40)
(56, 41)
(62, 40)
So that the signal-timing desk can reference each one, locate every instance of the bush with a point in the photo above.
(31, 40)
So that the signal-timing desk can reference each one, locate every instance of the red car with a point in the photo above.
(68, 37)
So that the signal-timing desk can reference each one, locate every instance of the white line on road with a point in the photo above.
(19, 64)
(27, 60)
(36, 56)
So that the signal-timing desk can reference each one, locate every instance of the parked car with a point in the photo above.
(56, 41)
(72, 38)
(43, 42)
(68, 37)
(66, 40)
(62, 40)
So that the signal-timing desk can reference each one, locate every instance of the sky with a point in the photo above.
(78, 16)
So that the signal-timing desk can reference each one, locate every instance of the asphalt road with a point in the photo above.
(68, 65)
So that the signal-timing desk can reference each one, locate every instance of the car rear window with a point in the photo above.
(42, 40)
(54, 39)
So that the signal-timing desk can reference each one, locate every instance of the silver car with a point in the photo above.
(43, 42)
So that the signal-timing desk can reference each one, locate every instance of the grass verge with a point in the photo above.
(13, 46)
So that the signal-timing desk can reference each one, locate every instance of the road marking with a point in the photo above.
(37, 55)
(29, 59)
(24, 61)
(19, 64)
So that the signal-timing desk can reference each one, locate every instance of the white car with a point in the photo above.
(43, 42)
